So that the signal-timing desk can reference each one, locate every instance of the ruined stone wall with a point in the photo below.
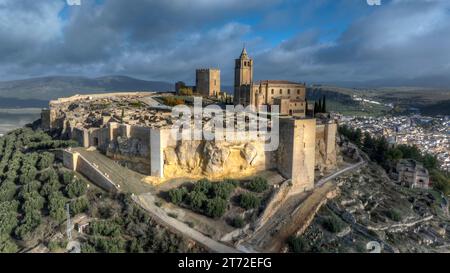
(130, 145)
(99, 137)
(81, 136)
(330, 140)
(325, 154)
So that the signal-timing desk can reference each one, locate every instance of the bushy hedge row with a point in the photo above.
(208, 198)
(211, 198)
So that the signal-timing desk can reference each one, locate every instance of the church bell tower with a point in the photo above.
(243, 78)
(243, 70)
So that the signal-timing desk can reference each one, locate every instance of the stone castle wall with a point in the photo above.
(296, 154)
(78, 163)
(325, 151)
(305, 146)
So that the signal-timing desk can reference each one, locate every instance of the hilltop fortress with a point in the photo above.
(135, 130)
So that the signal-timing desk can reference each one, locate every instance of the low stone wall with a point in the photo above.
(78, 163)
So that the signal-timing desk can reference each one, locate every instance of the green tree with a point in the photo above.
(46, 160)
(238, 222)
(177, 196)
(79, 205)
(50, 186)
(258, 184)
(196, 199)
(440, 181)
(47, 175)
(76, 189)
(8, 217)
(7, 245)
(249, 201)
(105, 228)
(7, 191)
(368, 144)
(394, 215)
(324, 105)
(216, 207)
(394, 154)
(223, 190)
(430, 161)
(67, 177)
(203, 185)
(333, 224)
(110, 245)
(56, 206)
(298, 244)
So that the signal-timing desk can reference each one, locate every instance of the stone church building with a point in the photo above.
(289, 96)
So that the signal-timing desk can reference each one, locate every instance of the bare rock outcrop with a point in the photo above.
(214, 157)
(211, 158)
(249, 153)
(188, 154)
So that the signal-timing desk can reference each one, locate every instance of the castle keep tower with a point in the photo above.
(208, 82)
(243, 78)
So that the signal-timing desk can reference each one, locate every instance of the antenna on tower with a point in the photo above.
(69, 223)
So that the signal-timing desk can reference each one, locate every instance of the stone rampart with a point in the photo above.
(76, 162)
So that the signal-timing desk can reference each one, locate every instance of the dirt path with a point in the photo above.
(294, 215)
(338, 173)
(131, 182)
(146, 201)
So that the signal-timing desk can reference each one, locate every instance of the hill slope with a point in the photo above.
(47, 88)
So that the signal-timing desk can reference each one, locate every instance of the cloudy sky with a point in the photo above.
(336, 41)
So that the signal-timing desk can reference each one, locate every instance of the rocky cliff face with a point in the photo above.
(212, 159)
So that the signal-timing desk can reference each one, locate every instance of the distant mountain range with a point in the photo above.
(38, 91)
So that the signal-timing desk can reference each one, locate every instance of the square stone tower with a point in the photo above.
(208, 82)
(296, 153)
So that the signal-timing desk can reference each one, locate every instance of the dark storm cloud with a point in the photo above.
(167, 40)
(152, 39)
(405, 40)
